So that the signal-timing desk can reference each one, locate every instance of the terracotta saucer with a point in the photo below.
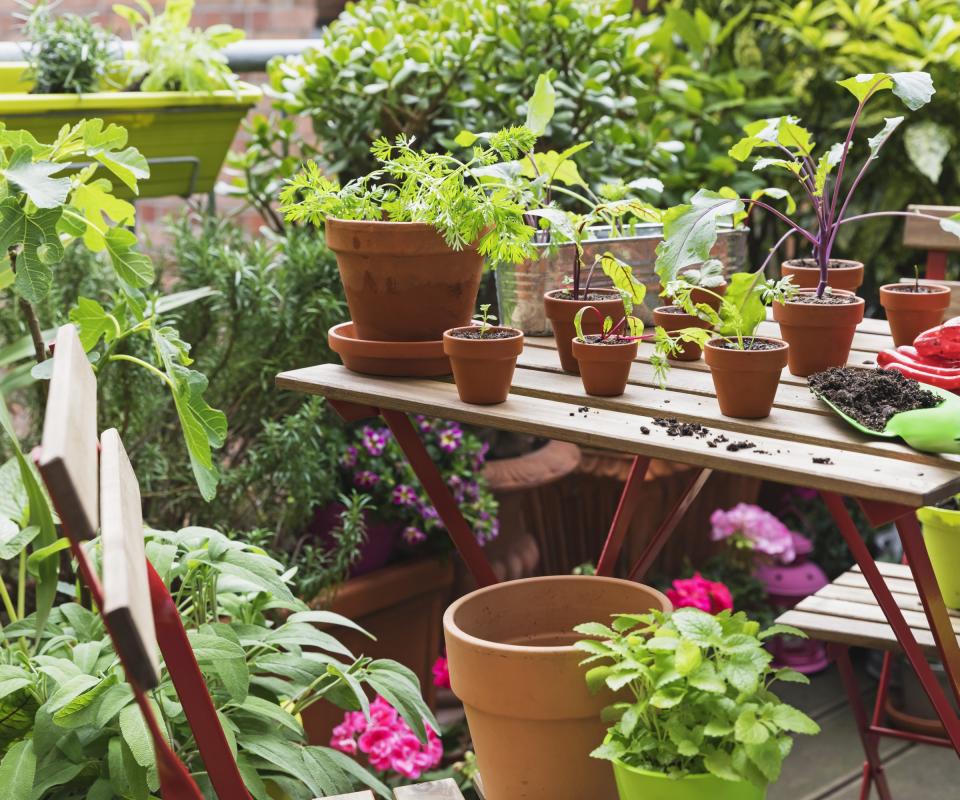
(395, 359)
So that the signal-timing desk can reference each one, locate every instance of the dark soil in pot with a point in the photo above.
(871, 397)
(483, 366)
(561, 309)
(605, 363)
(746, 380)
(820, 330)
(913, 308)
(673, 318)
(841, 273)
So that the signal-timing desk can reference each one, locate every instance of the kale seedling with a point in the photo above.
(690, 230)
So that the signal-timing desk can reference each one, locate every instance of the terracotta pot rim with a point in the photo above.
(614, 295)
(517, 333)
(846, 292)
(380, 223)
(450, 626)
(842, 264)
(892, 288)
(345, 338)
(713, 344)
(594, 351)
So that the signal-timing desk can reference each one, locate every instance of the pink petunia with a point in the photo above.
(698, 592)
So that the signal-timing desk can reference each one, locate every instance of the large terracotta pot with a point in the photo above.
(820, 336)
(604, 368)
(911, 313)
(841, 273)
(746, 380)
(671, 320)
(642, 784)
(483, 368)
(512, 662)
(402, 281)
(561, 314)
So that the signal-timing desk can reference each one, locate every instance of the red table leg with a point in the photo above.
(932, 602)
(626, 508)
(447, 508)
(936, 265)
(669, 524)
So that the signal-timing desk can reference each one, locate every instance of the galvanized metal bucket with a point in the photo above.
(520, 287)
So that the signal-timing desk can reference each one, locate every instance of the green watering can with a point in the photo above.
(941, 532)
(930, 430)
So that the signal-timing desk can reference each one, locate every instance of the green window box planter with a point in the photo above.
(184, 135)
(641, 784)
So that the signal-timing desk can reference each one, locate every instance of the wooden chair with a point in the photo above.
(925, 234)
(846, 613)
(435, 790)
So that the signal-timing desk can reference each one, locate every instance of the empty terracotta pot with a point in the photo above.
(483, 368)
(820, 336)
(402, 281)
(512, 663)
(561, 314)
(675, 321)
(841, 273)
(911, 313)
(604, 368)
(746, 380)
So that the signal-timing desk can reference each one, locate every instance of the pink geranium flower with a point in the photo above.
(763, 531)
(441, 673)
(387, 741)
(698, 592)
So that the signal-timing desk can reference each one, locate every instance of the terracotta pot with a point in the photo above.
(398, 359)
(402, 281)
(911, 313)
(820, 336)
(604, 368)
(841, 274)
(512, 663)
(561, 314)
(675, 322)
(698, 296)
(483, 368)
(746, 380)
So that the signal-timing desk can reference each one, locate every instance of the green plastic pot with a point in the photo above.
(184, 135)
(640, 784)
(941, 532)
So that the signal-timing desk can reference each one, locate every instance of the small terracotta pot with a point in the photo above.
(512, 663)
(402, 281)
(841, 274)
(604, 368)
(483, 368)
(561, 314)
(675, 322)
(911, 313)
(820, 336)
(746, 380)
(698, 296)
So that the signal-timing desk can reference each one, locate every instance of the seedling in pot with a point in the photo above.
(484, 328)
(690, 230)
(483, 357)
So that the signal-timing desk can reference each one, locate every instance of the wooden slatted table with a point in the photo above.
(801, 443)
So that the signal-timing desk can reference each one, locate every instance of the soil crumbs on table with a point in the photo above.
(675, 427)
(474, 333)
(871, 397)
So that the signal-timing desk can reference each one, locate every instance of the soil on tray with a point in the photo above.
(812, 262)
(871, 397)
(911, 289)
(828, 299)
(750, 344)
(567, 294)
(474, 333)
(596, 338)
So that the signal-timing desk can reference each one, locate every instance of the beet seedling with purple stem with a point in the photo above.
(690, 230)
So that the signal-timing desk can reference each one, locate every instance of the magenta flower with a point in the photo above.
(349, 459)
(375, 440)
(698, 592)
(441, 673)
(366, 479)
(403, 495)
(387, 741)
(450, 439)
(765, 533)
(412, 535)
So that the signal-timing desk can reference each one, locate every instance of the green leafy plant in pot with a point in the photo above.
(702, 722)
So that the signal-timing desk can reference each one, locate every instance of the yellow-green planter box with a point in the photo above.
(184, 135)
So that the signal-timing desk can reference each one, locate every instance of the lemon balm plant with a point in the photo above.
(700, 708)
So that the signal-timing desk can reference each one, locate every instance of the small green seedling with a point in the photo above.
(485, 319)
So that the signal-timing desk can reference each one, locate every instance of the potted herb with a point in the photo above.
(913, 308)
(702, 722)
(410, 237)
(822, 312)
(176, 95)
(483, 358)
(513, 664)
(745, 367)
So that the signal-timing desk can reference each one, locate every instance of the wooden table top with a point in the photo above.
(801, 443)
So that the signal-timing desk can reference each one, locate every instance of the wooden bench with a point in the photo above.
(925, 234)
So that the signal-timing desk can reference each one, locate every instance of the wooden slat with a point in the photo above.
(68, 451)
(870, 612)
(446, 789)
(857, 580)
(905, 602)
(856, 474)
(126, 591)
(926, 234)
(857, 633)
